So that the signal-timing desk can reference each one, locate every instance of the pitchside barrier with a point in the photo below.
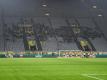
(101, 55)
(54, 54)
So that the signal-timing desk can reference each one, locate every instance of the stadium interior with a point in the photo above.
(53, 39)
(53, 25)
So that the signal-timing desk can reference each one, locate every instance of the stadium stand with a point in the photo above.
(52, 33)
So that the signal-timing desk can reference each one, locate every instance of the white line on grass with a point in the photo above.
(92, 76)
(96, 74)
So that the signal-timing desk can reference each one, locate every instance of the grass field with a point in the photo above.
(53, 69)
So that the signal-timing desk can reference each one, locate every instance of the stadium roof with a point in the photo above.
(57, 8)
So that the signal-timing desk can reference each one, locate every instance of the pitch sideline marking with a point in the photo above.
(92, 76)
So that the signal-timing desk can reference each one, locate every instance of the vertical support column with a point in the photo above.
(86, 38)
(39, 46)
(74, 36)
(26, 46)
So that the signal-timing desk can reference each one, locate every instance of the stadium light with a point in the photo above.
(44, 5)
(100, 15)
(47, 14)
(94, 7)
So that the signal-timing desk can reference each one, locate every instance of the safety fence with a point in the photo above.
(54, 54)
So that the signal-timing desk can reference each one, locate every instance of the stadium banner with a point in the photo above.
(60, 53)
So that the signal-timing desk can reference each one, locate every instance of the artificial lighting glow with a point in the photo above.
(47, 14)
(94, 7)
(44, 5)
(100, 15)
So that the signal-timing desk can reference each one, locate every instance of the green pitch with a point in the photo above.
(53, 69)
